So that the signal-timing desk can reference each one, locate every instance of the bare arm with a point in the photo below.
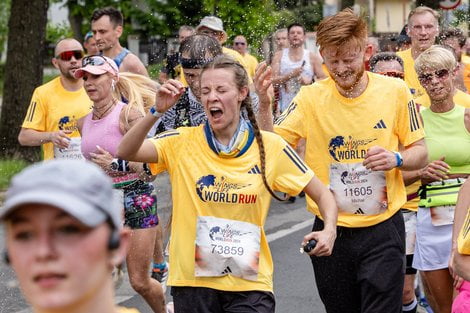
(414, 156)
(133, 146)
(133, 64)
(329, 213)
(262, 81)
(316, 62)
(32, 137)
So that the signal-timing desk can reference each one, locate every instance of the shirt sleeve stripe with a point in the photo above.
(286, 113)
(414, 122)
(32, 109)
(295, 160)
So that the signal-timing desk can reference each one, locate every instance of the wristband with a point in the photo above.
(398, 158)
(155, 113)
(147, 169)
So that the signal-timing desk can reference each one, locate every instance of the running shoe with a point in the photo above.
(161, 276)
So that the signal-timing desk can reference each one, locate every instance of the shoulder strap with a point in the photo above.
(120, 57)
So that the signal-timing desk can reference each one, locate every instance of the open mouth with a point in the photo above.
(216, 112)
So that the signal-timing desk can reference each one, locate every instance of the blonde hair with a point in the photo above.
(422, 10)
(342, 28)
(435, 58)
(138, 90)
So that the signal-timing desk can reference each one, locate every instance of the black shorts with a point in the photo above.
(207, 300)
(365, 273)
(410, 270)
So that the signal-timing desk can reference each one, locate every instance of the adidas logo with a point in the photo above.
(380, 124)
(227, 270)
(359, 211)
(254, 170)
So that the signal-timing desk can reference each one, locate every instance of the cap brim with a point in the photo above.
(85, 212)
(89, 69)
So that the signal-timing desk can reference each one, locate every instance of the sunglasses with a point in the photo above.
(440, 74)
(400, 75)
(94, 60)
(67, 55)
(239, 43)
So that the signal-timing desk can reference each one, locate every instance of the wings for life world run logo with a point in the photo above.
(212, 189)
(68, 123)
(226, 234)
(348, 149)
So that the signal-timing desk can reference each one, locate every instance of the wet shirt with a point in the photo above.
(339, 131)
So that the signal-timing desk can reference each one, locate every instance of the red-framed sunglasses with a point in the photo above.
(67, 55)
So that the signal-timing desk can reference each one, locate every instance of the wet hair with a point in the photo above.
(281, 30)
(384, 56)
(342, 28)
(451, 32)
(241, 80)
(422, 10)
(200, 47)
(115, 16)
(139, 90)
(435, 58)
(295, 25)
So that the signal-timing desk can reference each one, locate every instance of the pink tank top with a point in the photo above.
(105, 132)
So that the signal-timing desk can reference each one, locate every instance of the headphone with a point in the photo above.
(6, 258)
(114, 240)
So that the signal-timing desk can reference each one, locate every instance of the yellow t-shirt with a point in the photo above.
(411, 78)
(339, 131)
(52, 108)
(461, 98)
(251, 63)
(463, 241)
(230, 188)
(466, 76)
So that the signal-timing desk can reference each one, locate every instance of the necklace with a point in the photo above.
(101, 115)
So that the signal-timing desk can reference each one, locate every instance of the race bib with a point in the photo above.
(410, 230)
(226, 247)
(73, 151)
(442, 215)
(358, 190)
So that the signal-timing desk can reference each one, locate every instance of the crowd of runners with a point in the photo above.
(377, 141)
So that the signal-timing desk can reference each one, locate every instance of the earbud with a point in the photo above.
(114, 240)
(113, 84)
(6, 257)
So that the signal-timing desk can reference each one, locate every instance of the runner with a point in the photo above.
(219, 256)
(107, 26)
(423, 28)
(51, 119)
(447, 127)
(455, 39)
(460, 261)
(295, 66)
(390, 64)
(63, 237)
(171, 65)
(89, 43)
(353, 124)
(241, 46)
(102, 130)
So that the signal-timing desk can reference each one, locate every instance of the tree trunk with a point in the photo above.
(23, 72)
(75, 20)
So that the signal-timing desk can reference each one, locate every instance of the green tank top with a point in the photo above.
(446, 135)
